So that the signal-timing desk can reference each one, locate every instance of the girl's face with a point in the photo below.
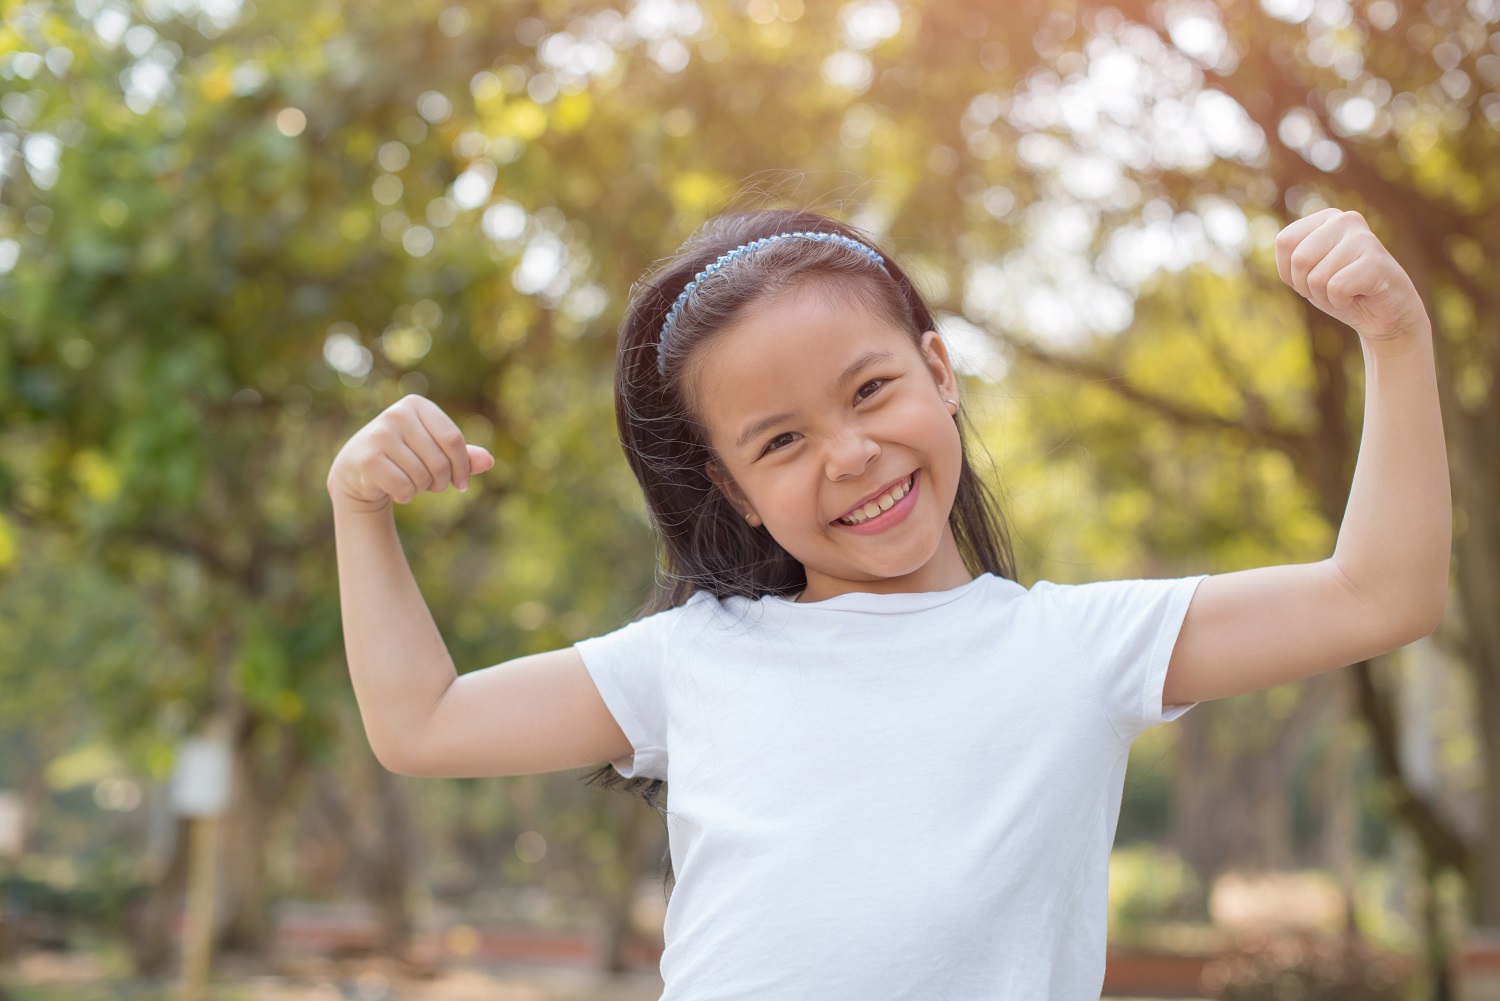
(822, 415)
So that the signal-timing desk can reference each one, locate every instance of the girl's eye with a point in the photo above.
(771, 445)
(877, 383)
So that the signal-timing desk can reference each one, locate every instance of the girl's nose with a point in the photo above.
(850, 454)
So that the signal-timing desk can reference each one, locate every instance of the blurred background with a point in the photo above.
(232, 231)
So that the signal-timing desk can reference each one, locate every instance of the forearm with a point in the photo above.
(398, 662)
(1395, 537)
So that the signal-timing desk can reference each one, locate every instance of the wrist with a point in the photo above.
(345, 505)
(1415, 337)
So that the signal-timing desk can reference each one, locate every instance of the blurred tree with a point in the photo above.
(192, 259)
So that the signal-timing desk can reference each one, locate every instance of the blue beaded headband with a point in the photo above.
(741, 251)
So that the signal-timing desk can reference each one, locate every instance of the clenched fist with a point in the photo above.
(411, 446)
(1333, 260)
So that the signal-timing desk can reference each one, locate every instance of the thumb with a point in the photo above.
(479, 459)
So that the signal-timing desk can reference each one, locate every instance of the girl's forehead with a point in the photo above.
(790, 356)
(804, 335)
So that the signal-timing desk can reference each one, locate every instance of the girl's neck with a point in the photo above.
(943, 572)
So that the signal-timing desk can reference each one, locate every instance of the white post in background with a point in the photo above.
(12, 825)
(200, 791)
(12, 838)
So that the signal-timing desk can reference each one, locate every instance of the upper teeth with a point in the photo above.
(879, 504)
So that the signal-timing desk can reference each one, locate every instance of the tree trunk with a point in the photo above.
(1194, 780)
(263, 779)
(388, 877)
(1230, 804)
(1435, 948)
(1478, 575)
(620, 926)
(241, 922)
(33, 797)
(1473, 437)
(1487, 898)
(1336, 791)
(378, 839)
(152, 943)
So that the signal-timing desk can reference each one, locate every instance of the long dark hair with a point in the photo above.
(704, 544)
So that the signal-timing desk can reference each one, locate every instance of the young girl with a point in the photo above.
(895, 772)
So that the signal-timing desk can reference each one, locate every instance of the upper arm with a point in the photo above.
(1255, 629)
(539, 713)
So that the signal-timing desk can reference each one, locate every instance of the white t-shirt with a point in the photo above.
(892, 796)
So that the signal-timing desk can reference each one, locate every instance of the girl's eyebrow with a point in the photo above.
(755, 428)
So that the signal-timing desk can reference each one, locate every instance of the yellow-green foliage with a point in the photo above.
(1150, 886)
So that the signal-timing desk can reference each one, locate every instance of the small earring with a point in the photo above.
(954, 405)
(748, 517)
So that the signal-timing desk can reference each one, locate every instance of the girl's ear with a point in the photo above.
(936, 354)
(730, 490)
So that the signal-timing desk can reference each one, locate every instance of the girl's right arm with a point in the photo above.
(533, 714)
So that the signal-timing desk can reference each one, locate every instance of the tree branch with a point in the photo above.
(1257, 428)
(1415, 213)
(1440, 840)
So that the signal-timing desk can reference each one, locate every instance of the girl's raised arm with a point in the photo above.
(533, 714)
(1387, 581)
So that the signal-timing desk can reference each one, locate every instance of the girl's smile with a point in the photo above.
(891, 506)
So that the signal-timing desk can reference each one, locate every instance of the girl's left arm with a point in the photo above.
(1387, 581)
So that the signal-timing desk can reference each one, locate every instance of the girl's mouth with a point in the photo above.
(889, 509)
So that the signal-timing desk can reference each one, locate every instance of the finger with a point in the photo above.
(1349, 249)
(446, 435)
(1364, 276)
(399, 452)
(1309, 253)
(1288, 239)
(480, 460)
(392, 479)
(420, 441)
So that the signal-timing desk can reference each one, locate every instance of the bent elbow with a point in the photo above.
(1436, 611)
(1433, 622)
(394, 764)
(1422, 621)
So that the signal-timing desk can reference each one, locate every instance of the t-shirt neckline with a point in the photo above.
(870, 601)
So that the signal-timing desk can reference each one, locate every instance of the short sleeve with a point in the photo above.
(627, 666)
(1123, 632)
